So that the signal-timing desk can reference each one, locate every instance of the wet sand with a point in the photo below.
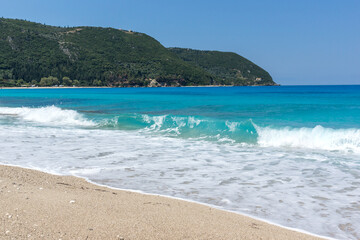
(37, 205)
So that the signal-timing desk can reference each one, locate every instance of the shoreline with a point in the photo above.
(205, 204)
(49, 87)
(216, 223)
(206, 86)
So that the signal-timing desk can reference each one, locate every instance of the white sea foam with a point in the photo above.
(307, 189)
(170, 124)
(192, 122)
(232, 125)
(157, 121)
(50, 115)
(347, 140)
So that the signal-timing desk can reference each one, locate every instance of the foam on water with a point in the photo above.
(311, 190)
(199, 128)
(155, 121)
(347, 140)
(49, 115)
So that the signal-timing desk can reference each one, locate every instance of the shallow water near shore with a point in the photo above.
(290, 155)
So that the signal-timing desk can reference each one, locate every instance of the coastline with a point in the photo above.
(41, 205)
(50, 87)
(207, 86)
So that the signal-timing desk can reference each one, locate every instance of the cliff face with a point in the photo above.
(30, 53)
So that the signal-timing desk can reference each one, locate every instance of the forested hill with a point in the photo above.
(230, 67)
(41, 55)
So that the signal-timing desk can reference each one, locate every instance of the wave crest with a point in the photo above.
(315, 138)
(244, 132)
(48, 115)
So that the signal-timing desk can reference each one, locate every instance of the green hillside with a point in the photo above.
(229, 67)
(37, 54)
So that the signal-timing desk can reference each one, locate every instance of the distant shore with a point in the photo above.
(66, 87)
(38, 205)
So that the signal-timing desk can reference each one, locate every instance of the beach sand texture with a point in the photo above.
(37, 205)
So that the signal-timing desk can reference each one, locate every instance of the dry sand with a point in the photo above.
(37, 205)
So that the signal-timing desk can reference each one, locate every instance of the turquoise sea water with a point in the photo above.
(288, 154)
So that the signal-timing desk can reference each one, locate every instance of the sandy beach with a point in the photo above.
(37, 205)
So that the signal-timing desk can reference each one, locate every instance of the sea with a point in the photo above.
(289, 155)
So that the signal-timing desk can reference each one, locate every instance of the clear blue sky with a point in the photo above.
(297, 41)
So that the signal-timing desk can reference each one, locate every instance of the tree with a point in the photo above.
(97, 82)
(34, 82)
(67, 81)
(76, 82)
(54, 81)
(49, 81)
(44, 82)
(20, 82)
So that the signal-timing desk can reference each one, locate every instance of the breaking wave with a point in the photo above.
(194, 127)
(247, 132)
(49, 115)
(347, 140)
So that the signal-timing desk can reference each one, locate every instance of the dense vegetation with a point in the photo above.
(37, 54)
(229, 68)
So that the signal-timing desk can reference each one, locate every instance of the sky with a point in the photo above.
(307, 42)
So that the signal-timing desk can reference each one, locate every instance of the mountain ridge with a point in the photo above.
(42, 55)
